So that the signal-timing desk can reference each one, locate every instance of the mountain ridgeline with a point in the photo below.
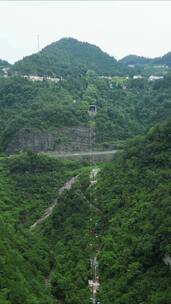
(3, 65)
(67, 57)
(135, 60)
(54, 217)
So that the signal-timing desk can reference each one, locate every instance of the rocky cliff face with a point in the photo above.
(65, 139)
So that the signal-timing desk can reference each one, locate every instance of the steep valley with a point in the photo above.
(84, 196)
(132, 195)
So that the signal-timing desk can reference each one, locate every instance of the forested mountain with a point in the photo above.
(39, 115)
(51, 263)
(3, 64)
(50, 226)
(134, 59)
(166, 59)
(69, 56)
(148, 66)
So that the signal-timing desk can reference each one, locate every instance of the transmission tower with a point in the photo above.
(38, 43)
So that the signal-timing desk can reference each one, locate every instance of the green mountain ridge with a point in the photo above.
(3, 64)
(124, 216)
(135, 59)
(69, 56)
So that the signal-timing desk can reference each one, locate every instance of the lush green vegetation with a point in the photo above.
(131, 212)
(135, 222)
(3, 64)
(124, 107)
(132, 221)
(69, 56)
(129, 204)
(165, 59)
(25, 263)
(24, 178)
(148, 66)
(134, 59)
(35, 106)
(29, 184)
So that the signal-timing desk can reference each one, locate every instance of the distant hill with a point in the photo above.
(165, 60)
(148, 66)
(134, 59)
(69, 56)
(3, 64)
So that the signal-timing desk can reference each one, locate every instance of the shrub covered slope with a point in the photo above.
(43, 107)
(29, 184)
(132, 200)
(130, 206)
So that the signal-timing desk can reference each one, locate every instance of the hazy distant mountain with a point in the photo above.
(3, 64)
(136, 60)
(69, 56)
(165, 60)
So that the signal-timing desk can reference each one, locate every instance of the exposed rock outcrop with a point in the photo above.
(62, 140)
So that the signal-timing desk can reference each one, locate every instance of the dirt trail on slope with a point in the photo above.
(67, 186)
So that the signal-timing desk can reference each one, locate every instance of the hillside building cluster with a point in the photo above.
(57, 79)
(33, 77)
(41, 78)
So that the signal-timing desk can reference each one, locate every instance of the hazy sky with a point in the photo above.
(118, 27)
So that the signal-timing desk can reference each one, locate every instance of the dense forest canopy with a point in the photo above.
(29, 184)
(134, 59)
(3, 64)
(69, 56)
(124, 107)
(132, 195)
(46, 240)
(148, 66)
